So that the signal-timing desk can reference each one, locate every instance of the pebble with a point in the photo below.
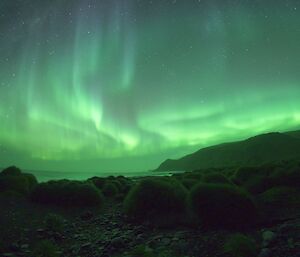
(40, 231)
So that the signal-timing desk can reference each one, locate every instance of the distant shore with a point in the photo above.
(43, 176)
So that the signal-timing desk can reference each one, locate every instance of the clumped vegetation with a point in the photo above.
(197, 175)
(67, 193)
(286, 176)
(216, 177)
(11, 171)
(222, 205)
(189, 182)
(254, 179)
(32, 181)
(125, 184)
(12, 179)
(189, 179)
(239, 245)
(110, 189)
(280, 196)
(98, 182)
(156, 201)
(259, 179)
(18, 184)
(212, 198)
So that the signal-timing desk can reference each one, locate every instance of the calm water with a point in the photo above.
(53, 175)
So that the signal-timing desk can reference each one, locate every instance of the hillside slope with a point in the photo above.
(252, 151)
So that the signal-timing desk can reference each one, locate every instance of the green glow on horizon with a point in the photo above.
(133, 79)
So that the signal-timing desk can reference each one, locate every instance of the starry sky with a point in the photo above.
(121, 85)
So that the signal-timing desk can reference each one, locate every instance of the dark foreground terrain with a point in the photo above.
(242, 212)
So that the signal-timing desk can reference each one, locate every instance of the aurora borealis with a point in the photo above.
(124, 84)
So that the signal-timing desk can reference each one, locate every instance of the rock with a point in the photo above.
(165, 241)
(265, 252)
(139, 229)
(139, 238)
(41, 231)
(27, 252)
(74, 249)
(100, 242)
(100, 248)
(157, 237)
(268, 237)
(24, 246)
(117, 242)
(291, 243)
(80, 236)
(115, 232)
(289, 226)
(155, 240)
(14, 247)
(58, 236)
(87, 216)
(8, 255)
(85, 246)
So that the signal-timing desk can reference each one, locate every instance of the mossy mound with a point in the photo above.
(110, 189)
(156, 201)
(254, 179)
(286, 176)
(280, 196)
(67, 193)
(216, 178)
(12, 179)
(221, 205)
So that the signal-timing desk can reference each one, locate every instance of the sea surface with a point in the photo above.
(55, 175)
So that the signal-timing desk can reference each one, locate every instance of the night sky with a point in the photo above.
(124, 84)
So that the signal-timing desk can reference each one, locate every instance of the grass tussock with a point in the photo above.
(156, 201)
(222, 205)
(239, 245)
(67, 193)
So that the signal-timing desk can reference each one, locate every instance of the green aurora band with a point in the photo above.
(123, 85)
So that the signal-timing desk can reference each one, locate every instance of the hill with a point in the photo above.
(253, 151)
